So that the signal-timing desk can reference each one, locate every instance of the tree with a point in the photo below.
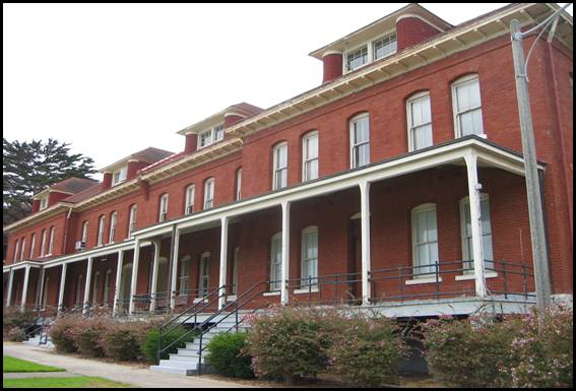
(29, 167)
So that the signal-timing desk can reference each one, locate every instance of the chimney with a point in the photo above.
(412, 30)
(191, 142)
(332, 66)
(133, 167)
(107, 181)
(231, 119)
(35, 206)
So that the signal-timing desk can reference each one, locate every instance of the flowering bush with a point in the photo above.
(289, 343)
(122, 340)
(87, 333)
(226, 354)
(366, 351)
(14, 317)
(14, 334)
(61, 333)
(542, 358)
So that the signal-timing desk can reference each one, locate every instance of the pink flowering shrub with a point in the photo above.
(542, 358)
(507, 353)
(61, 333)
(366, 351)
(87, 334)
(289, 343)
(14, 334)
(122, 341)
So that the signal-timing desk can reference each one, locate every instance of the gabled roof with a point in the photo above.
(243, 109)
(68, 186)
(148, 155)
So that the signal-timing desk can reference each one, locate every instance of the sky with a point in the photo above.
(114, 79)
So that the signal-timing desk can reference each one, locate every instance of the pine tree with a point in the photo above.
(29, 167)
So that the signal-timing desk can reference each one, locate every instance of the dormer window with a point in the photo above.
(357, 58)
(384, 46)
(44, 202)
(210, 136)
(119, 175)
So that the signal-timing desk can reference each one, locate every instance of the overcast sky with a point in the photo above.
(115, 79)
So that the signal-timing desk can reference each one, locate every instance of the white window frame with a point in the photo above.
(113, 225)
(43, 243)
(101, 227)
(22, 248)
(238, 183)
(32, 245)
(184, 279)
(119, 175)
(412, 128)
(84, 233)
(43, 202)
(305, 260)
(79, 290)
(276, 262)
(385, 37)
(163, 208)
(419, 271)
(466, 237)
(214, 134)
(16, 250)
(132, 220)
(95, 288)
(355, 146)
(51, 241)
(204, 275)
(107, 286)
(279, 172)
(307, 173)
(189, 202)
(359, 48)
(209, 189)
(458, 113)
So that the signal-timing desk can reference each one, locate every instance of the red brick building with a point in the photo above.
(397, 183)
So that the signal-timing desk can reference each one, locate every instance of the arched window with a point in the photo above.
(419, 116)
(132, 220)
(163, 209)
(32, 245)
(424, 240)
(51, 240)
(280, 166)
(360, 140)
(209, 185)
(238, 184)
(113, 224)
(467, 106)
(189, 199)
(310, 156)
(101, 222)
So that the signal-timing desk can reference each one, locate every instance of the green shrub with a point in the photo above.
(366, 351)
(150, 346)
(289, 343)
(122, 340)
(227, 356)
(14, 334)
(61, 334)
(14, 317)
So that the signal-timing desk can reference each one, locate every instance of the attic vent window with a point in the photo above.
(119, 176)
(210, 136)
(384, 46)
(44, 202)
(357, 58)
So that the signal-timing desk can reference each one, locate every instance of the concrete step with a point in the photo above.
(173, 370)
(186, 352)
(183, 358)
(191, 365)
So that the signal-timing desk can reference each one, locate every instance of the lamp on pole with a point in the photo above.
(533, 191)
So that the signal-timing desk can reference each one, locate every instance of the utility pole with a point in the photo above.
(535, 212)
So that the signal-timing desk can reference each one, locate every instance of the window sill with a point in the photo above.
(467, 277)
(303, 291)
(200, 300)
(418, 281)
(232, 298)
(268, 294)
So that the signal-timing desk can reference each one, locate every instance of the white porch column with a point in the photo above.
(25, 288)
(62, 286)
(154, 287)
(134, 274)
(476, 222)
(87, 287)
(285, 274)
(40, 290)
(174, 282)
(223, 261)
(118, 282)
(10, 285)
(366, 249)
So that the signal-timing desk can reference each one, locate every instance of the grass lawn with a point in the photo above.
(11, 364)
(66, 382)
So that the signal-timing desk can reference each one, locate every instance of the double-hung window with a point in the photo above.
(190, 193)
(132, 220)
(276, 262)
(16, 250)
(209, 193)
(107, 282)
(419, 121)
(44, 202)
(238, 184)
(101, 222)
(424, 240)
(84, 235)
(357, 58)
(163, 209)
(32, 245)
(184, 276)
(204, 276)
(467, 106)
(310, 156)
(466, 229)
(210, 136)
(43, 243)
(360, 140)
(205, 138)
(119, 175)
(384, 46)
(113, 224)
(51, 240)
(309, 267)
(22, 248)
(280, 166)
